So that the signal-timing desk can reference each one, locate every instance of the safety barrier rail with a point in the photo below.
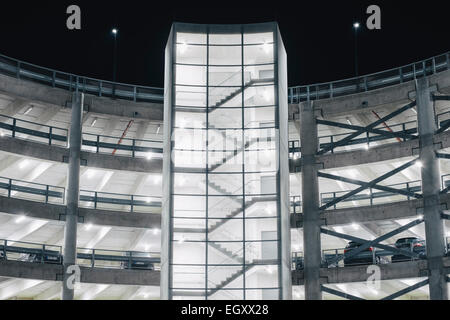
(27, 130)
(13, 188)
(370, 82)
(93, 258)
(371, 196)
(57, 79)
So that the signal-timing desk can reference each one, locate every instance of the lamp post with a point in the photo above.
(114, 31)
(356, 26)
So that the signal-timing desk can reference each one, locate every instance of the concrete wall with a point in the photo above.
(95, 216)
(52, 272)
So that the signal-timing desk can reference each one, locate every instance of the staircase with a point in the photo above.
(238, 211)
(226, 252)
(234, 154)
(230, 279)
(223, 191)
(237, 92)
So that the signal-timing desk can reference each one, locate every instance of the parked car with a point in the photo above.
(47, 257)
(139, 260)
(364, 257)
(299, 263)
(412, 244)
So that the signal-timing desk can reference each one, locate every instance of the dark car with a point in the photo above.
(139, 260)
(411, 244)
(299, 263)
(47, 257)
(364, 257)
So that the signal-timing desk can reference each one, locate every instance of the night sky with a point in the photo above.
(318, 35)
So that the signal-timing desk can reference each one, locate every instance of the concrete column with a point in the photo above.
(72, 192)
(310, 202)
(434, 226)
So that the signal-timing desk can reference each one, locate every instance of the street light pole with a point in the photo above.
(114, 32)
(356, 26)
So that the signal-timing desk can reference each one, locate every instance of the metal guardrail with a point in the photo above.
(57, 79)
(93, 258)
(371, 195)
(13, 188)
(376, 256)
(370, 82)
(51, 135)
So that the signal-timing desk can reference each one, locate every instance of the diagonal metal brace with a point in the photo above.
(407, 290)
(369, 127)
(378, 187)
(367, 185)
(389, 134)
(340, 294)
(442, 155)
(444, 191)
(445, 216)
(441, 98)
(365, 244)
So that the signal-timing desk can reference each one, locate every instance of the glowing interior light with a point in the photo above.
(367, 147)
(24, 164)
(158, 130)
(147, 247)
(269, 269)
(114, 31)
(157, 179)
(182, 240)
(155, 231)
(266, 95)
(147, 200)
(88, 226)
(419, 164)
(90, 174)
(94, 122)
(356, 25)
(355, 226)
(182, 123)
(266, 47)
(183, 47)
(149, 156)
(180, 181)
(2, 134)
(28, 110)
(20, 219)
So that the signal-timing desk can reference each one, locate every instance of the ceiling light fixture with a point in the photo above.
(28, 110)
(20, 219)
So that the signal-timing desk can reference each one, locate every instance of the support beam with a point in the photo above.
(369, 127)
(310, 197)
(406, 290)
(434, 227)
(367, 185)
(73, 192)
(340, 294)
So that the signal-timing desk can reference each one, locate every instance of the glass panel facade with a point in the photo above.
(224, 205)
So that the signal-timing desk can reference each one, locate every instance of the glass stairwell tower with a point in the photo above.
(225, 219)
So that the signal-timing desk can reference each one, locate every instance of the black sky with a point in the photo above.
(318, 35)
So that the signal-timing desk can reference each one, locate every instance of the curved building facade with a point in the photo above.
(366, 160)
